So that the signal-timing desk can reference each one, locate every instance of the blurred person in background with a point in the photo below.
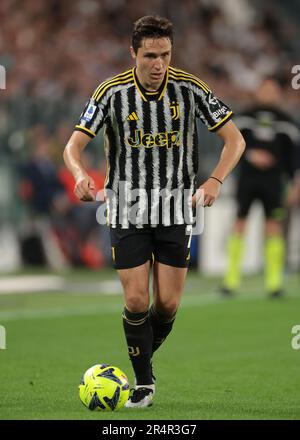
(149, 115)
(57, 228)
(40, 185)
(268, 173)
(45, 199)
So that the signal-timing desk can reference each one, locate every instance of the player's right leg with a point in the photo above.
(138, 332)
(132, 251)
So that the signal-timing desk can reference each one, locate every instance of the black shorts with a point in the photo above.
(167, 244)
(267, 189)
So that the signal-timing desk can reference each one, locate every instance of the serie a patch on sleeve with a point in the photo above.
(89, 113)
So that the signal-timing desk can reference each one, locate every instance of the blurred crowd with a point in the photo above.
(57, 52)
(57, 49)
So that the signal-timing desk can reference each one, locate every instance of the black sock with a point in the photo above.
(161, 327)
(139, 336)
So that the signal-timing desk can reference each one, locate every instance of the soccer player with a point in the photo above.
(149, 116)
(268, 164)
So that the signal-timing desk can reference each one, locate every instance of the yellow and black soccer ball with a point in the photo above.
(104, 387)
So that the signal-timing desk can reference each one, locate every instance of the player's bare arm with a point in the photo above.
(234, 146)
(84, 184)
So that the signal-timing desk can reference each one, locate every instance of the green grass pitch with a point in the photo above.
(225, 359)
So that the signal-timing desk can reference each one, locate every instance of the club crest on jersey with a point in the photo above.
(168, 139)
(174, 106)
(89, 112)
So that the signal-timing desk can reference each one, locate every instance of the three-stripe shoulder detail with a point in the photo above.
(181, 75)
(122, 78)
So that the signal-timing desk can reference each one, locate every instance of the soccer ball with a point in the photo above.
(104, 387)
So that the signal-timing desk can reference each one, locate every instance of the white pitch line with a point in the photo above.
(24, 284)
(30, 283)
(15, 315)
(111, 287)
(49, 313)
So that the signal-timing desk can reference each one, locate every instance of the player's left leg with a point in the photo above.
(168, 284)
(171, 253)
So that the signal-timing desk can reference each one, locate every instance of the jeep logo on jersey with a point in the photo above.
(167, 139)
(174, 106)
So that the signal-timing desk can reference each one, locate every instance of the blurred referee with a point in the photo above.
(149, 116)
(268, 165)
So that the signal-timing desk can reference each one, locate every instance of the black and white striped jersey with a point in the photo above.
(150, 143)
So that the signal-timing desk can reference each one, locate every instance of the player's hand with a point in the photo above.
(207, 193)
(85, 189)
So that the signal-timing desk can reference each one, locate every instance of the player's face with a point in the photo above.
(152, 60)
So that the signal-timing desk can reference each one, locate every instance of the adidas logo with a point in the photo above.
(132, 117)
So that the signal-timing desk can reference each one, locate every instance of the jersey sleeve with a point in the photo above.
(211, 110)
(92, 117)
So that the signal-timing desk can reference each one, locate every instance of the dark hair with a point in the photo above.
(151, 26)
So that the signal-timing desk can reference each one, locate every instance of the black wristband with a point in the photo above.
(220, 181)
